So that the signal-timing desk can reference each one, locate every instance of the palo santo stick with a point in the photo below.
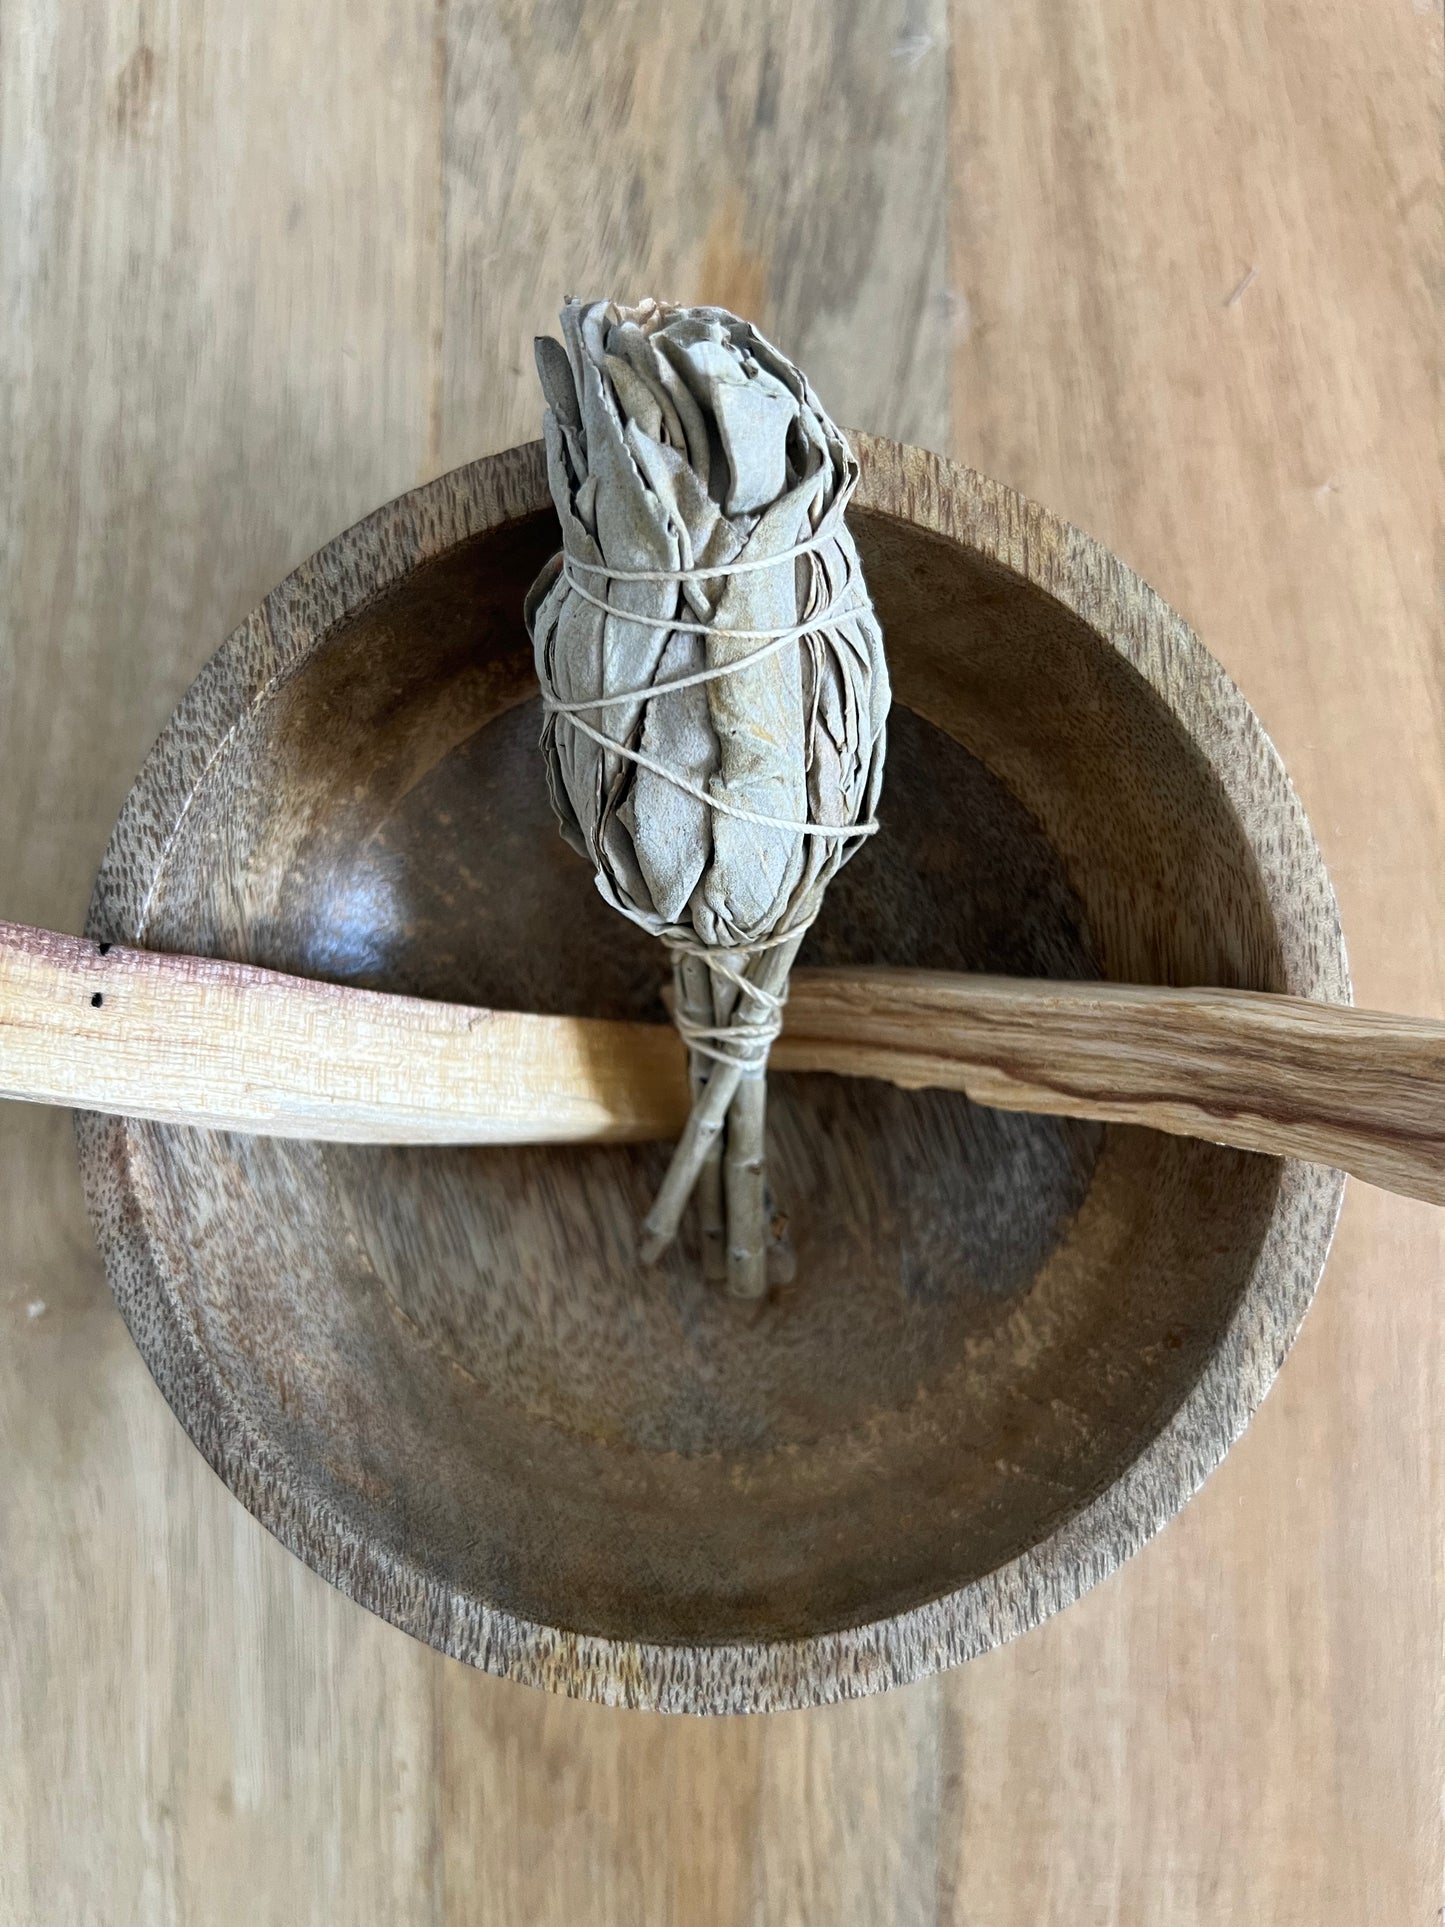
(187, 1040)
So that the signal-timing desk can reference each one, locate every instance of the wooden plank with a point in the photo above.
(1246, 1724)
(219, 230)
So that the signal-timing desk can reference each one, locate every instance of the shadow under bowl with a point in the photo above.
(1015, 1344)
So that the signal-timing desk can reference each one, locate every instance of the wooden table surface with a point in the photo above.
(1170, 270)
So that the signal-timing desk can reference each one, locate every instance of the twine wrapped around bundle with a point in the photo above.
(715, 693)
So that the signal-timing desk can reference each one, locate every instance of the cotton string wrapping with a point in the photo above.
(772, 639)
(745, 1043)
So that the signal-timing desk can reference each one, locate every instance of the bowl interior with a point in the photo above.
(456, 1351)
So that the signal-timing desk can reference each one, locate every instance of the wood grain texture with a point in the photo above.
(444, 1379)
(223, 1046)
(261, 272)
(1258, 1707)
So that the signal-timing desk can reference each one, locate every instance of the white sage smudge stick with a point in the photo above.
(715, 693)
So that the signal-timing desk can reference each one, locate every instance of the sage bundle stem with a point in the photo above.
(697, 1004)
(702, 1138)
(715, 695)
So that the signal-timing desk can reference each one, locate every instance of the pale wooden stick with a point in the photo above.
(746, 1185)
(191, 1041)
(745, 1172)
(723, 995)
(693, 986)
(758, 1254)
(1358, 1089)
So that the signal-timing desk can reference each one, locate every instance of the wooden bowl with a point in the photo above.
(1015, 1345)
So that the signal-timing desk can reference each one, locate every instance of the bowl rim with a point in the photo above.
(1006, 530)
